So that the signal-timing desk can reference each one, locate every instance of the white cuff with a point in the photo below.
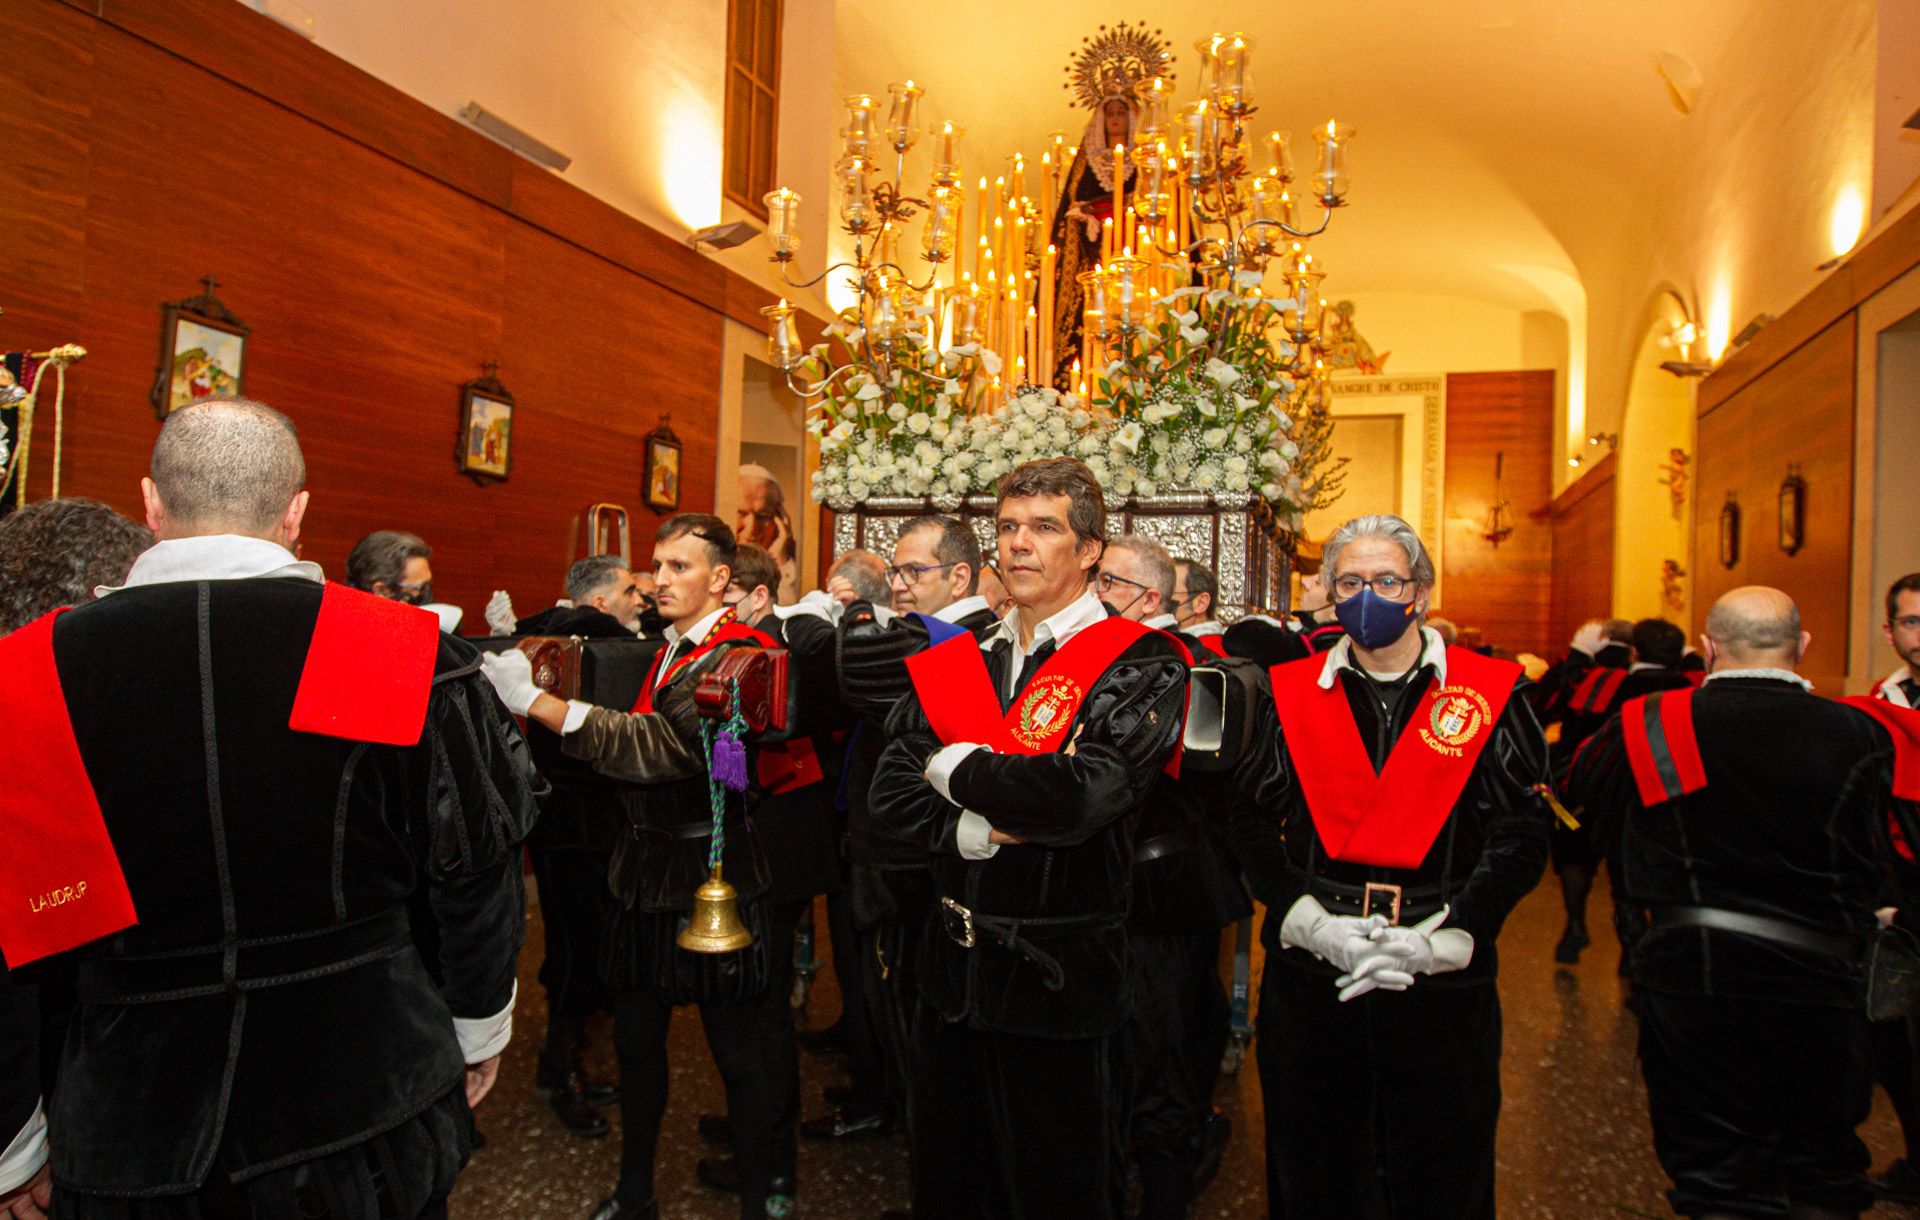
(577, 710)
(970, 837)
(26, 1153)
(1296, 929)
(940, 766)
(481, 1038)
(1452, 949)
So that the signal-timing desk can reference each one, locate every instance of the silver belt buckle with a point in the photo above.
(965, 939)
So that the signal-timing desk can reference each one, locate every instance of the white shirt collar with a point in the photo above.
(1777, 675)
(696, 634)
(953, 612)
(1637, 666)
(1433, 651)
(1163, 622)
(213, 557)
(1891, 689)
(1080, 613)
(1208, 626)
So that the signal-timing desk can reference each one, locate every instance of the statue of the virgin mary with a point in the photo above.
(1104, 76)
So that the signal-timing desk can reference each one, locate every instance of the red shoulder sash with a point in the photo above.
(1596, 692)
(957, 694)
(60, 880)
(369, 669)
(1388, 818)
(726, 631)
(1214, 644)
(1903, 724)
(1657, 730)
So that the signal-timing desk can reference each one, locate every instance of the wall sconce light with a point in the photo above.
(497, 129)
(1753, 327)
(1684, 335)
(1610, 439)
(724, 236)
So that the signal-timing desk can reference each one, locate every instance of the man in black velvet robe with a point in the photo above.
(1021, 780)
(301, 783)
(1757, 823)
(570, 848)
(660, 750)
(1389, 821)
(1185, 891)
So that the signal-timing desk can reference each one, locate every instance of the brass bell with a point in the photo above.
(714, 926)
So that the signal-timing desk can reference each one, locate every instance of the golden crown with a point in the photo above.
(1115, 62)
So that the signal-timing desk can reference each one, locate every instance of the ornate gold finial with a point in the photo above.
(1115, 62)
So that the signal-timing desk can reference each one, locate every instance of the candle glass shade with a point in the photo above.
(963, 317)
(856, 202)
(1093, 293)
(937, 236)
(883, 320)
(1156, 107)
(1126, 299)
(903, 115)
(1196, 140)
(1209, 80)
(783, 222)
(1264, 204)
(859, 130)
(1331, 178)
(1280, 148)
(783, 336)
(946, 155)
(1233, 67)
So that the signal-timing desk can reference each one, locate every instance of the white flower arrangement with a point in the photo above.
(1204, 402)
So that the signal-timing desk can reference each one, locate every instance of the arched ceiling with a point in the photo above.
(1502, 144)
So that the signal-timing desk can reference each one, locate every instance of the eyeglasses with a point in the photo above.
(908, 573)
(1105, 581)
(1393, 588)
(1908, 622)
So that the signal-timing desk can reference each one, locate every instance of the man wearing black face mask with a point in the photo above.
(1390, 819)
(392, 564)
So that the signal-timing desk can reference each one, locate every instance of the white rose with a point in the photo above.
(1160, 411)
(1289, 450)
(1213, 438)
(896, 412)
(1236, 482)
(918, 424)
(1271, 491)
(1146, 488)
(1235, 465)
(858, 490)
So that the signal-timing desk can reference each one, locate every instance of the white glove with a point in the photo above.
(1589, 639)
(1340, 939)
(511, 673)
(500, 615)
(1400, 953)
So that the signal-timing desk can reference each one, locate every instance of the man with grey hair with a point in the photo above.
(1758, 822)
(1135, 580)
(286, 778)
(1390, 820)
(858, 576)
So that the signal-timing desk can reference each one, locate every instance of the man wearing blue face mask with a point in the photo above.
(1389, 817)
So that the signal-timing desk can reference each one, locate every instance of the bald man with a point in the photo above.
(1754, 819)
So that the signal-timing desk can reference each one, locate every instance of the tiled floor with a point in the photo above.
(1573, 1134)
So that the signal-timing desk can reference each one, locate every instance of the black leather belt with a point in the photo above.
(257, 963)
(964, 928)
(1158, 846)
(685, 830)
(1760, 927)
(1399, 903)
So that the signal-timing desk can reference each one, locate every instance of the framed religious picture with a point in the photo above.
(203, 351)
(1729, 532)
(1793, 511)
(485, 446)
(661, 480)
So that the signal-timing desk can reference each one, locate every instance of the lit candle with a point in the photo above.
(1278, 144)
(1332, 175)
(946, 167)
(903, 119)
(1236, 74)
(856, 207)
(783, 211)
(1047, 262)
(1120, 184)
(783, 335)
(1198, 122)
(859, 132)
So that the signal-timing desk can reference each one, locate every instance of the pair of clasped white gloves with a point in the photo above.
(1371, 955)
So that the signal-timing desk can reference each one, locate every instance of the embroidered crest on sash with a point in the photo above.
(1047, 709)
(1459, 714)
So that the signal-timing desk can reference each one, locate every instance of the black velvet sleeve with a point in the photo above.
(1125, 734)
(1263, 793)
(871, 660)
(1513, 851)
(19, 1055)
(481, 797)
(903, 805)
(809, 641)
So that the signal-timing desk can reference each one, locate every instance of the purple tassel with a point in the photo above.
(730, 762)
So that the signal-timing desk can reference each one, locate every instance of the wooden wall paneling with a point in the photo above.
(1504, 591)
(1799, 412)
(1583, 535)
